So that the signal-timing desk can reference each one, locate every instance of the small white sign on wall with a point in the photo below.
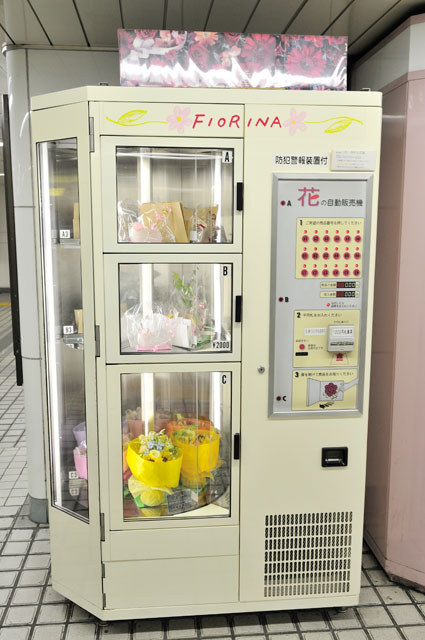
(353, 160)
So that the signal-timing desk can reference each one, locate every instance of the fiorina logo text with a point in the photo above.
(234, 120)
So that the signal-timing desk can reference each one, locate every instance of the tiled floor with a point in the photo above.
(31, 610)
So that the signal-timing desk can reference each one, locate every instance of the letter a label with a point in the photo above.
(227, 156)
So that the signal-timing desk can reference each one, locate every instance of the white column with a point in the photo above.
(20, 134)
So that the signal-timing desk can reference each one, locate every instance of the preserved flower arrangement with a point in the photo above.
(155, 460)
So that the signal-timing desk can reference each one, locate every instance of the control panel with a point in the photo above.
(320, 259)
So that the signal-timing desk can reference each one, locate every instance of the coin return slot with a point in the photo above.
(334, 456)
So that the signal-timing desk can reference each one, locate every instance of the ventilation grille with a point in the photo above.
(307, 554)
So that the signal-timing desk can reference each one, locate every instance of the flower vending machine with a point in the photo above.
(206, 268)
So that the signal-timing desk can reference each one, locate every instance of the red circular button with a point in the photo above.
(335, 272)
(356, 272)
(357, 255)
(316, 238)
(347, 255)
(305, 238)
(337, 238)
(314, 273)
(358, 238)
(325, 272)
(315, 256)
(278, 398)
(347, 238)
(304, 273)
(326, 256)
(302, 347)
(336, 255)
(346, 272)
(326, 238)
(304, 256)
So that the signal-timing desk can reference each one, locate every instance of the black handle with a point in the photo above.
(239, 196)
(237, 446)
(238, 309)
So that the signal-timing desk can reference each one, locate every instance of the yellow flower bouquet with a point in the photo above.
(200, 450)
(155, 461)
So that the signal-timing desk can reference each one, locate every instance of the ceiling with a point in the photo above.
(94, 23)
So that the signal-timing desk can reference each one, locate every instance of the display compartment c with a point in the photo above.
(200, 499)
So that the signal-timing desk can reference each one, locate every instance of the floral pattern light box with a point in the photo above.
(212, 59)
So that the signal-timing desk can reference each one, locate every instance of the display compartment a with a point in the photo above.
(64, 325)
(160, 194)
(162, 307)
(171, 438)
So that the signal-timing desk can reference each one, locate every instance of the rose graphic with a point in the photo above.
(295, 122)
(331, 390)
(179, 119)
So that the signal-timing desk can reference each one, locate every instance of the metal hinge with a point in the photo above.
(97, 340)
(103, 569)
(104, 600)
(91, 133)
(102, 527)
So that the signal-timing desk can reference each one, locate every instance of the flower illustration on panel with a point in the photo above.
(305, 61)
(295, 122)
(179, 119)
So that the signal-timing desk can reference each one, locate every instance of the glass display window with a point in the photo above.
(163, 306)
(176, 444)
(166, 196)
(64, 323)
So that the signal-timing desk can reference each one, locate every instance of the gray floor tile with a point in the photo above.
(32, 578)
(287, 636)
(279, 623)
(11, 562)
(406, 614)
(4, 595)
(15, 633)
(214, 626)
(385, 634)
(375, 616)
(393, 595)
(116, 630)
(26, 595)
(413, 633)
(48, 632)
(52, 613)
(378, 577)
(355, 634)
(20, 535)
(80, 615)
(20, 615)
(369, 561)
(344, 619)
(150, 630)
(82, 631)
(247, 624)
(37, 562)
(316, 635)
(417, 595)
(7, 578)
(311, 620)
(50, 595)
(368, 595)
(182, 628)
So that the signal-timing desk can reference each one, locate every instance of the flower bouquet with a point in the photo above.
(188, 421)
(155, 461)
(80, 460)
(200, 450)
(153, 331)
(191, 308)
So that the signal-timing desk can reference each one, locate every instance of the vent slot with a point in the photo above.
(307, 554)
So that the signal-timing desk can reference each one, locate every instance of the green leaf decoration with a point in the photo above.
(131, 118)
(340, 124)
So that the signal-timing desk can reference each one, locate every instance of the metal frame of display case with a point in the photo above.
(280, 493)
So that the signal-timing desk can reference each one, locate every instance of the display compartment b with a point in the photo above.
(163, 307)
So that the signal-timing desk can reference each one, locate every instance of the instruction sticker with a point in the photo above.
(324, 389)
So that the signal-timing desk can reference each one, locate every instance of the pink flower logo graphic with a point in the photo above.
(295, 122)
(179, 119)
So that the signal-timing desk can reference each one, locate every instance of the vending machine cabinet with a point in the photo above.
(206, 274)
